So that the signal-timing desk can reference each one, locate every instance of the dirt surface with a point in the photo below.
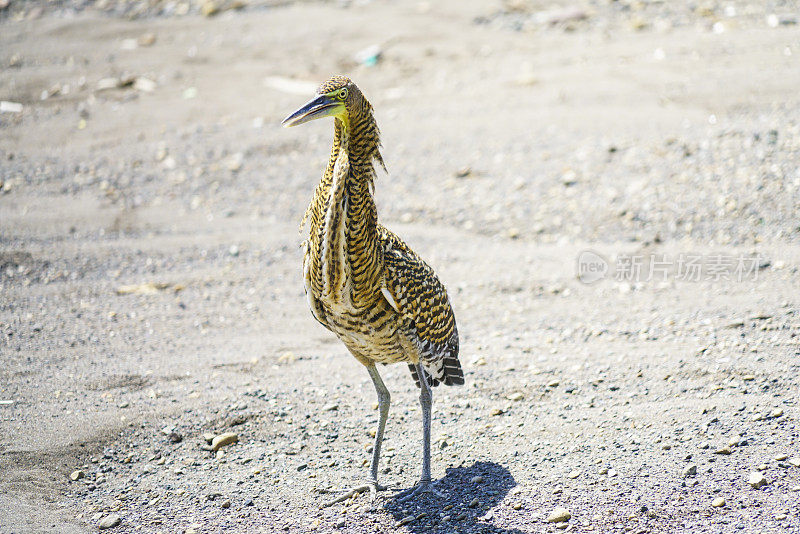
(150, 284)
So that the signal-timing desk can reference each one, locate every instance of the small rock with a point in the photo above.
(497, 411)
(475, 502)
(718, 502)
(516, 396)
(223, 440)
(146, 85)
(553, 383)
(777, 412)
(689, 471)
(109, 521)
(107, 83)
(559, 515)
(463, 172)
(516, 506)
(124, 404)
(476, 480)
(795, 461)
(175, 437)
(574, 474)
(226, 503)
(757, 480)
(147, 39)
(76, 475)
(209, 437)
(209, 8)
(781, 457)
(330, 407)
(406, 520)
(723, 450)
(235, 161)
(341, 523)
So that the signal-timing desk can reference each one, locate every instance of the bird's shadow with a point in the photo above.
(486, 482)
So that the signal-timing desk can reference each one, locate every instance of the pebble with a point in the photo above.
(223, 440)
(109, 521)
(718, 502)
(781, 457)
(723, 450)
(574, 473)
(146, 85)
(476, 480)
(209, 8)
(76, 475)
(497, 411)
(235, 161)
(175, 437)
(516, 396)
(777, 412)
(559, 515)
(226, 503)
(795, 461)
(209, 437)
(475, 502)
(689, 471)
(757, 480)
(553, 383)
(406, 520)
(516, 506)
(147, 39)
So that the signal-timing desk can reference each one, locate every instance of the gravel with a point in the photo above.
(152, 286)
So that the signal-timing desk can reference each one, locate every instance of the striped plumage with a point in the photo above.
(363, 282)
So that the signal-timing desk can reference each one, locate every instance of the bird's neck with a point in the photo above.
(343, 233)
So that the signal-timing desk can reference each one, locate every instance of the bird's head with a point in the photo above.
(338, 97)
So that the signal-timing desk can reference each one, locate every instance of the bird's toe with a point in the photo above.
(418, 490)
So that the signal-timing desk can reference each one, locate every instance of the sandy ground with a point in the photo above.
(635, 130)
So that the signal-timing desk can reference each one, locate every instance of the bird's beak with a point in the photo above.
(316, 108)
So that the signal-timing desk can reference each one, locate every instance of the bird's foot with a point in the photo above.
(419, 489)
(370, 486)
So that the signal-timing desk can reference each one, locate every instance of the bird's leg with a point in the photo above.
(384, 400)
(426, 402)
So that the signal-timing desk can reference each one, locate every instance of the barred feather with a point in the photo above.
(362, 281)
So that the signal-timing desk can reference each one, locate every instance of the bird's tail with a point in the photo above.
(447, 370)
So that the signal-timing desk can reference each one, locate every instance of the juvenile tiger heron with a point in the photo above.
(362, 282)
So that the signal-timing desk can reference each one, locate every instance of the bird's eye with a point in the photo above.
(343, 94)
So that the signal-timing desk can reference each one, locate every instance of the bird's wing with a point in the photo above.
(413, 290)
